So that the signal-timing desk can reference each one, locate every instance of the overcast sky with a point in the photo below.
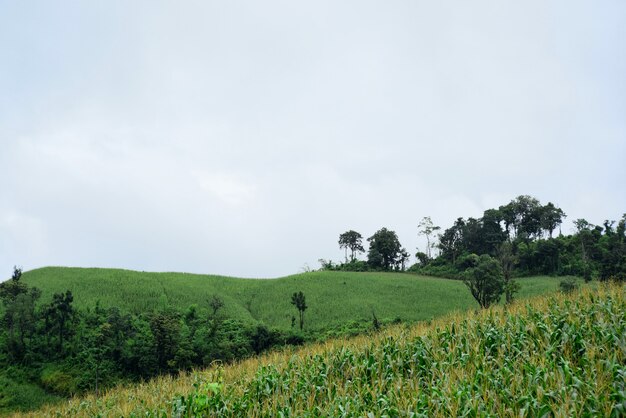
(241, 138)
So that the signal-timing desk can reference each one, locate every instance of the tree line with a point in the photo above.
(520, 238)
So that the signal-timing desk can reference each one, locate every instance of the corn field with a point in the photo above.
(554, 356)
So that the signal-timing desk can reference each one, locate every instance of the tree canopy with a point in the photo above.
(385, 250)
(353, 241)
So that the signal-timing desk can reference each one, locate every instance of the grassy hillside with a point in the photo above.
(333, 297)
(554, 356)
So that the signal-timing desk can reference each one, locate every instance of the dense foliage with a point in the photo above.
(527, 228)
(520, 235)
(67, 351)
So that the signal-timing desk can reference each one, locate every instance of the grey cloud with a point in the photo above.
(242, 138)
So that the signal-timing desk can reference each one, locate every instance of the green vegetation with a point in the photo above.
(112, 326)
(514, 240)
(520, 235)
(561, 355)
(16, 395)
(333, 297)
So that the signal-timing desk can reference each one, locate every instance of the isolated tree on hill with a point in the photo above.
(427, 228)
(484, 279)
(299, 301)
(385, 249)
(216, 303)
(351, 240)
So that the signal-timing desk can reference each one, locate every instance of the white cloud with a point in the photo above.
(226, 188)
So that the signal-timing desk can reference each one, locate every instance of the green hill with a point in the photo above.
(333, 298)
(553, 356)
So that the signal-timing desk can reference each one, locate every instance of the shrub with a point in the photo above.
(568, 285)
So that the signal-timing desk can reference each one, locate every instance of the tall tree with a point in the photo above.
(583, 227)
(19, 314)
(451, 241)
(551, 218)
(427, 228)
(12, 288)
(385, 249)
(523, 214)
(491, 231)
(60, 312)
(351, 240)
(299, 301)
(165, 326)
(403, 258)
(507, 258)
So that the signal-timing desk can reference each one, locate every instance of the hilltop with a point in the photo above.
(333, 297)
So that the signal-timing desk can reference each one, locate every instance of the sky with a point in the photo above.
(242, 137)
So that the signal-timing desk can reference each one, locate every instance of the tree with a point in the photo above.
(583, 227)
(216, 303)
(299, 301)
(484, 279)
(351, 240)
(422, 258)
(491, 230)
(523, 214)
(427, 228)
(165, 327)
(551, 217)
(19, 315)
(403, 258)
(385, 249)
(59, 313)
(12, 288)
(451, 241)
(508, 260)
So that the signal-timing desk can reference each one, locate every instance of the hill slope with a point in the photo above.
(555, 356)
(332, 297)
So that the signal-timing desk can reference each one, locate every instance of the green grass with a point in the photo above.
(333, 298)
(20, 396)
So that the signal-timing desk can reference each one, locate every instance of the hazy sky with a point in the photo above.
(242, 138)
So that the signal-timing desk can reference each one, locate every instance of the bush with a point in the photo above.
(568, 285)
(58, 381)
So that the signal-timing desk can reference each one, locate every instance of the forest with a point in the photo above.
(520, 235)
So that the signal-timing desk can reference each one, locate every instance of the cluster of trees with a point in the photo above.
(520, 235)
(69, 351)
(385, 252)
(515, 239)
